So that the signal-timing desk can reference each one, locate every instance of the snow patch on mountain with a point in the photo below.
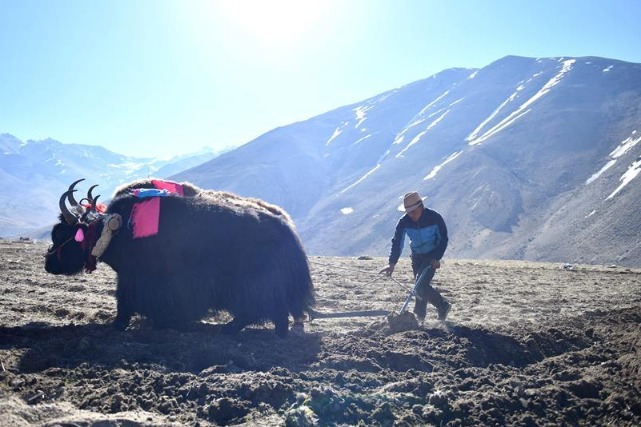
(625, 146)
(361, 115)
(128, 167)
(419, 119)
(437, 168)
(431, 104)
(363, 178)
(414, 140)
(347, 211)
(358, 141)
(491, 117)
(336, 133)
(418, 137)
(607, 166)
(632, 172)
(522, 110)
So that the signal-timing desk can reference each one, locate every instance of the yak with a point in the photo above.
(211, 252)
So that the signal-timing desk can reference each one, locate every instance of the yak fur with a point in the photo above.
(215, 251)
(191, 190)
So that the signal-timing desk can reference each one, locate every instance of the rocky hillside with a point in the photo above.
(525, 158)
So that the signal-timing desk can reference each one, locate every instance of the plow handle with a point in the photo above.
(414, 289)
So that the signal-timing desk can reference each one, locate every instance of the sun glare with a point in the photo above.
(275, 22)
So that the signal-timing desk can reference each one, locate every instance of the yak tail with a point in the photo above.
(298, 280)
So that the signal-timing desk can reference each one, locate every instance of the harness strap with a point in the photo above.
(111, 224)
(91, 238)
(58, 249)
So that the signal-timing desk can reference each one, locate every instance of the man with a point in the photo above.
(428, 241)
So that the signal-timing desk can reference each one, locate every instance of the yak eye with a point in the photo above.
(58, 234)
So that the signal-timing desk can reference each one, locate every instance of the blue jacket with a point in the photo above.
(428, 236)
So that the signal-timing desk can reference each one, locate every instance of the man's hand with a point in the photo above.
(435, 264)
(388, 270)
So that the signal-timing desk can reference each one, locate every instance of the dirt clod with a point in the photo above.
(405, 321)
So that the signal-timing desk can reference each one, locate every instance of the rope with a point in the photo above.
(378, 275)
(52, 250)
(316, 314)
(343, 268)
(313, 314)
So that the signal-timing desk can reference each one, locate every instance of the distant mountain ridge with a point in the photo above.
(35, 173)
(526, 158)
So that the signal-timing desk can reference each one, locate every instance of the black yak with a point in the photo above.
(211, 251)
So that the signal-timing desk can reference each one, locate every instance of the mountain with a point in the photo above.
(35, 173)
(526, 158)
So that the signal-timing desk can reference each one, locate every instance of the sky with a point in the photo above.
(158, 78)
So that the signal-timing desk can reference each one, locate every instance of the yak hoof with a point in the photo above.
(298, 328)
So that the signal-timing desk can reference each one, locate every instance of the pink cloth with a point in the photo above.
(172, 187)
(145, 217)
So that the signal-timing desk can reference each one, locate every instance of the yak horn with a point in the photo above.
(73, 201)
(89, 195)
(66, 213)
(94, 203)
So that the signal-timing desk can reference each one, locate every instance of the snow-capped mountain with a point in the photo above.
(526, 158)
(35, 173)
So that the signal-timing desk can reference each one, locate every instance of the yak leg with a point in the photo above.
(123, 316)
(124, 305)
(281, 322)
(121, 321)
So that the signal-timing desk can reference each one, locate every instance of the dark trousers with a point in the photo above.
(425, 292)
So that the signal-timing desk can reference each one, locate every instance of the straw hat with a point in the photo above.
(411, 201)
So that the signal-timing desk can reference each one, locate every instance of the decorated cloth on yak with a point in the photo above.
(145, 215)
(144, 193)
(172, 187)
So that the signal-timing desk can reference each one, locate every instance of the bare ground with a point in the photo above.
(525, 344)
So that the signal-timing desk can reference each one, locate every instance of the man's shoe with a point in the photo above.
(442, 311)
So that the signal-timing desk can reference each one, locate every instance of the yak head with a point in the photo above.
(70, 250)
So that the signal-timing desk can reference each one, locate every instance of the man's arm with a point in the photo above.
(388, 270)
(441, 245)
(397, 248)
